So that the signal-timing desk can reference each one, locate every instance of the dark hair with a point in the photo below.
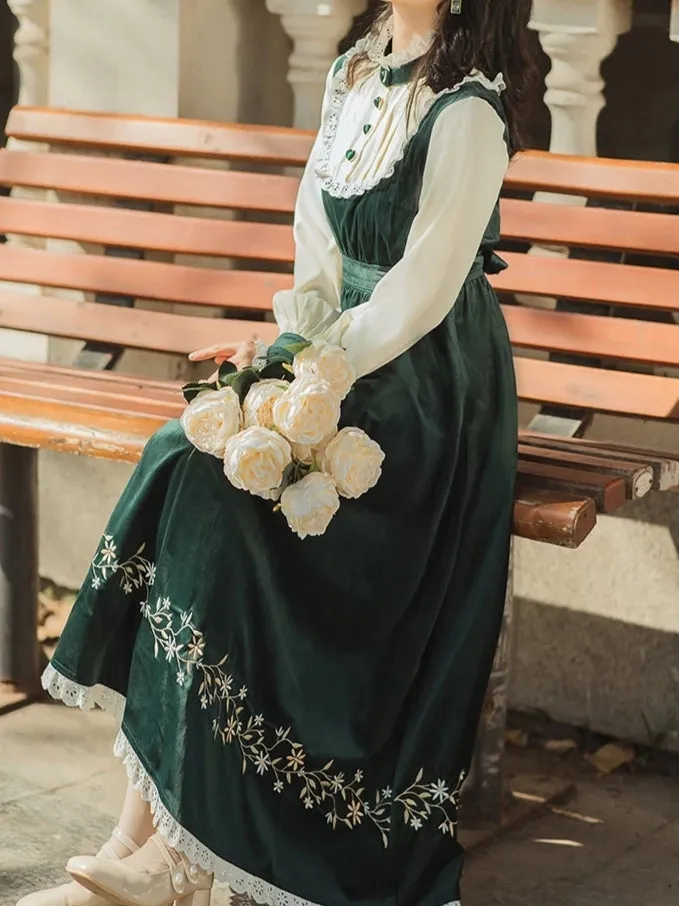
(490, 36)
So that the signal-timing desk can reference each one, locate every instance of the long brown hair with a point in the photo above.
(490, 36)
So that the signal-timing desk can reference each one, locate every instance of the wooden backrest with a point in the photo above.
(216, 191)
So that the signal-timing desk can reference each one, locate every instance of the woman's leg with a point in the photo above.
(136, 819)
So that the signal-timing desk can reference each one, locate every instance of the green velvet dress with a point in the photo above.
(301, 714)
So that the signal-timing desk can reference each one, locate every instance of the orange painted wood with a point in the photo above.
(142, 230)
(56, 373)
(620, 180)
(133, 328)
(581, 227)
(590, 281)
(600, 390)
(68, 428)
(642, 342)
(220, 288)
(143, 180)
(154, 135)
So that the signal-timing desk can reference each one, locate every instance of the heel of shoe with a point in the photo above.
(197, 898)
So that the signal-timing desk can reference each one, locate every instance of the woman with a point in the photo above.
(298, 716)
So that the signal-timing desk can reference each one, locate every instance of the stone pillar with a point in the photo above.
(316, 29)
(32, 50)
(32, 56)
(577, 36)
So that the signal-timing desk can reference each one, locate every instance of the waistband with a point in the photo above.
(364, 277)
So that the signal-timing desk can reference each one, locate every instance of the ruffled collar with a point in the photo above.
(376, 48)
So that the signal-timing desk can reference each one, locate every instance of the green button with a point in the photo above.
(367, 128)
(378, 102)
(351, 154)
(385, 76)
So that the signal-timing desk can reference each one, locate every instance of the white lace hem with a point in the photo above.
(84, 697)
(339, 92)
(242, 882)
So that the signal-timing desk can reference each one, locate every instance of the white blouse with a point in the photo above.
(363, 135)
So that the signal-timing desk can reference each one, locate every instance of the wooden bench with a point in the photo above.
(122, 209)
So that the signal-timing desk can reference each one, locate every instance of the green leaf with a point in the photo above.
(225, 369)
(192, 389)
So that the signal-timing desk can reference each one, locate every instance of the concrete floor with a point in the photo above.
(618, 844)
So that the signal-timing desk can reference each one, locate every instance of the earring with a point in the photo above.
(456, 7)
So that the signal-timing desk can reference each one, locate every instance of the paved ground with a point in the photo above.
(617, 846)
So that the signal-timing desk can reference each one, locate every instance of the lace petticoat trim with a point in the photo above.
(84, 697)
(242, 882)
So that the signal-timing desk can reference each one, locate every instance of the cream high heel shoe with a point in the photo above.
(153, 876)
(74, 894)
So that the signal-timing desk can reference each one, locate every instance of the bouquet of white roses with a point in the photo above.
(275, 426)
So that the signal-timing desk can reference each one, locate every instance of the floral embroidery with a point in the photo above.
(272, 752)
(136, 573)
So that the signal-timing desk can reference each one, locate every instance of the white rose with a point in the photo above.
(303, 453)
(310, 504)
(255, 461)
(308, 411)
(354, 461)
(211, 419)
(330, 363)
(258, 404)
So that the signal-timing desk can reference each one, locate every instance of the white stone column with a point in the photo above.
(32, 56)
(316, 29)
(32, 50)
(674, 21)
(577, 36)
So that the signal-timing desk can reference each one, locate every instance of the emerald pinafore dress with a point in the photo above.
(301, 714)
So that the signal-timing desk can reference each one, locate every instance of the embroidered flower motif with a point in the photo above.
(271, 751)
(440, 791)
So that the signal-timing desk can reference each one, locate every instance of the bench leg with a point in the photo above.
(19, 653)
(484, 791)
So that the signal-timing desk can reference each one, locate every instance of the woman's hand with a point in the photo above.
(241, 356)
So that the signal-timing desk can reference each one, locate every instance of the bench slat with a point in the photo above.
(665, 466)
(638, 477)
(147, 231)
(271, 145)
(615, 392)
(642, 342)
(144, 180)
(215, 287)
(133, 328)
(641, 181)
(608, 492)
(597, 228)
(589, 281)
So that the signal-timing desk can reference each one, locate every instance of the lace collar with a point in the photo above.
(376, 46)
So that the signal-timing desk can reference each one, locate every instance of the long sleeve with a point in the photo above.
(314, 301)
(466, 163)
